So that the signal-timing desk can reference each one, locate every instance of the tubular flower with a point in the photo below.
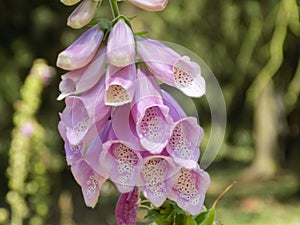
(83, 79)
(86, 173)
(82, 51)
(120, 85)
(186, 136)
(171, 68)
(85, 114)
(189, 190)
(157, 178)
(83, 14)
(150, 5)
(127, 208)
(153, 122)
(121, 45)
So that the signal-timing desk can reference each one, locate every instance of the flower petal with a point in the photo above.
(189, 190)
(82, 51)
(89, 180)
(127, 208)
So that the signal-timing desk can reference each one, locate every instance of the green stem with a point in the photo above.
(114, 8)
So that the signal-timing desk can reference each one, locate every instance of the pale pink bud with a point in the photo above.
(150, 5)
(69, 2)
(83, 14)
(121, 45)
(82, 51)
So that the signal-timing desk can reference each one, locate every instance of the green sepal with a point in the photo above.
(102, 22)
(189, 220)
(141, 33)
(206, 218)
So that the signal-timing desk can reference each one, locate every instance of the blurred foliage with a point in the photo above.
(245, 43)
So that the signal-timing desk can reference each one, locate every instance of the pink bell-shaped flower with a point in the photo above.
(78, 81)
(158, 176)
(83, 14)
(189, 190)
(127, 208)
(150, 5)
(82, 51)
(171, 68)
(121, 45)
(120, 85)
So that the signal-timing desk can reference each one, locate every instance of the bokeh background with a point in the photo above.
(252, 47)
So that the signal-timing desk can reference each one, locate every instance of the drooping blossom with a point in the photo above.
(122, 163)
(127, 208)
(81, 51)
(171, 68)
(80, 80)
(83, 14)
(190, 188)
(120, 85)
(158, 175)
(150, 5)
(186, 136)
(85, 114)
(87, 174)
(121, 45)
(151, 116)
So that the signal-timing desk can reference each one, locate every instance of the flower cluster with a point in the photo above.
(118, 124)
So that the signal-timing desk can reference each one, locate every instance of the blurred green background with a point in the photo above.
(252, 47)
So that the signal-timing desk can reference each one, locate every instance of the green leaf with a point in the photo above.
(206, 218)
(152, 214)
(141, 33)
(189, 221)
(180, 219)
(163, 221)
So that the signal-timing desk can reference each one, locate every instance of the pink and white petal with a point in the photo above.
(185, 141)
(120, 85)
(90, 182)
(157, 177)
(189, 190)
(127, 208)
(187, 77)
(83, 14)
(123, 163)
(82, 51)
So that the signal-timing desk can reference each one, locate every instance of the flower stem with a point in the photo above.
(114, 8)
